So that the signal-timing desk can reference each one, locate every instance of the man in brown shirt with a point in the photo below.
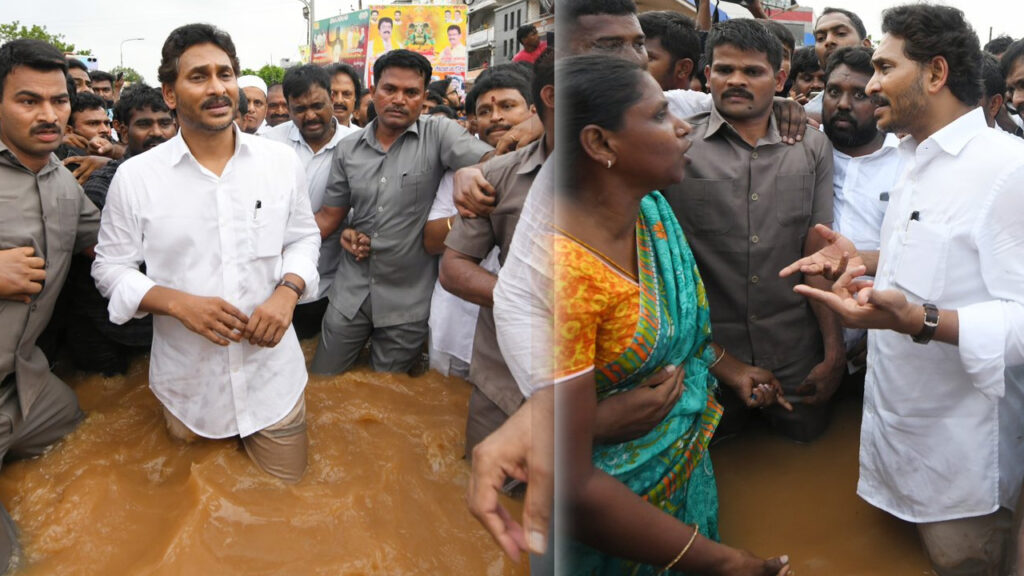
(44, 219)
(495, 394)
(746, 205)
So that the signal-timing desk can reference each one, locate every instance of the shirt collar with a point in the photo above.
(716, 121)
(178, 149)
(534, 158)
(370, 132)
(339, 132)
(953, 137)
(7, 155)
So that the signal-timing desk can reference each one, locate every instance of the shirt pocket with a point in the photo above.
(709, 206)
(67, 218)
(921, 269)
(267, 232)
(793, 193)
(417, 192)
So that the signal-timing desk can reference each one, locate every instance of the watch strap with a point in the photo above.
(290, 285)
(931, 323)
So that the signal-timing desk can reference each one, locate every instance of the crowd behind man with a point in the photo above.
(377, 207)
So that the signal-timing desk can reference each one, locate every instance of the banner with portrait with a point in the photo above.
(342, 38)
(437, 31)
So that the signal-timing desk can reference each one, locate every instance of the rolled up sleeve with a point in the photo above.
(992, 332)
(302, 239)
(118, 256)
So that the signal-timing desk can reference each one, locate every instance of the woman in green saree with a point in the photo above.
(629, 302)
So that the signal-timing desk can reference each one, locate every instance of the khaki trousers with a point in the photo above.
(281, 449)
(977, 546)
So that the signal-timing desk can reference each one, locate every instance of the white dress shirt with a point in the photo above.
(233, 236)
(942, 435)
(318, 168)
(524, 297)
(452, 319)
(862, 187)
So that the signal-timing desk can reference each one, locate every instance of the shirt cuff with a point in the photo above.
(127, 297)
(298, 264)
(983, 346)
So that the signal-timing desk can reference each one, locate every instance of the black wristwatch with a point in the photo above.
(291, 286)
(931, 322)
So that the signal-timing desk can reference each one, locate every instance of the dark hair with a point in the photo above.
(1013, 53)
(86, 101)
(402, 58)
(470, 104)
(76, 63)
(858, 24)
(440, 86)
(930, 31)
(505, 76)
(779, 30)
(998, 45)
(456, 27)
(243, 103)
(805, 61)
(574, 9)
(677, 33)
(747, 35)
(543, 75)
(446, 110)
(138, 97)
(101, 76)
(383, 20)
(856, 58)
(300, 79)
(343, 68)
(436, 97)
(187, 36)
(598, 90)
(992, 76)
(34, 54)
(524, 31)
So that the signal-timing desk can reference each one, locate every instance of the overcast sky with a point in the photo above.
(265, 31)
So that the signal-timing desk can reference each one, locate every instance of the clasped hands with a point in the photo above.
(355, 243)
(221, 323)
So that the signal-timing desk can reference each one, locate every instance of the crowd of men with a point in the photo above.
(239, 218)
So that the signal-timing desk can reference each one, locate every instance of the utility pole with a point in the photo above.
(308, 9)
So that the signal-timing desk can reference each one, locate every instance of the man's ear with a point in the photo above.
(683, 72)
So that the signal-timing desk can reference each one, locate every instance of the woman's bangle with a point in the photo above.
(449, 221)
(696, 530)
(717, 360)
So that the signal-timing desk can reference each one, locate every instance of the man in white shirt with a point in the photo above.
(223, 223)
(313, 133)
(255, 89)
(866, 162)
(942, 427)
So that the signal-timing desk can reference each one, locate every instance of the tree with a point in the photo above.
(271, 74)
(248, 72)
(16, 29)
(130, 75)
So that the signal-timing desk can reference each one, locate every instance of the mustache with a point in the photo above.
(280, 115)
(841, 116)
(496, 127)
(341, 107)
(217, 101)
(153, 141)
(879, 100)
(737, 92)
(398, 109)
(46, 127)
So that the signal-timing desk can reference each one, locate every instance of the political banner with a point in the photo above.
(436, 31)
(342, 38)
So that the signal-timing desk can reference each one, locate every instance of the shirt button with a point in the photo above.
(376, 234)
(383, 179)
(754, 279)
(373, 280)
(380, 208)
(754, 155)
(754, 196)
(755, 239)
(33, 307)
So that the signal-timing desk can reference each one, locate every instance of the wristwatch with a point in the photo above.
(290, 285)
(931, 322)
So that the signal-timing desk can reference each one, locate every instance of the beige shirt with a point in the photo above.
(49, 212)
(511, 175)
(746, 212)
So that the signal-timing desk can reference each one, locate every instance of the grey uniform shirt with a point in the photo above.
(511, 175)
(746, 212)
(389, 195)
(49, 212)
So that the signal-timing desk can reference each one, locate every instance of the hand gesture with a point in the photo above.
(76, 141)
(474, 195)
(859, 305)
(21, 274)
(520, 135)
(791, 119)
(86, 166)
(101, 146)
(821, 382)
(634, 413)
(831, 261)
(270, 320)
(757, 387)
(355, 243)
(210, 317)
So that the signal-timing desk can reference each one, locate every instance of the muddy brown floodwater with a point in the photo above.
(384, 492)
(781, 497)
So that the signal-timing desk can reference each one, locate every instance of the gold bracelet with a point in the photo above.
(449, 221)
(693, 537)
(717, 360)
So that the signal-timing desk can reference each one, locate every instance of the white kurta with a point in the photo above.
(943, 429)
(233, 236)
